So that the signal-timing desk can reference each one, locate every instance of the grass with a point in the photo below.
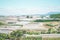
(32, 38)
(51, 38)
(39, 38)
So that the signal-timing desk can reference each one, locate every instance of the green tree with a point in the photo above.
(16, 35)
(27, 17)
(3, 36)
(52, 30)
(58, 30)
(55, 15)
(1, 23)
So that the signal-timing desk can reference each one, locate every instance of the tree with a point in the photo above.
(58, 30)
(16, 35)
(50, 25)
(55, 15)
(3, 36)
(27, 17)
(1, 23)
(52, 30)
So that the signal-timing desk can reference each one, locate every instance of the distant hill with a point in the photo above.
(49, 13)
(54, 14)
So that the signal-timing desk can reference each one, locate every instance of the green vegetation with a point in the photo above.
(45, 20)
(32, 38)
(16, 34)
(51, 38)
(3, 36)
(27, 17)
(58, 30)
(51, 25)
(52, 31)
(35, 33)
(1, 23)
(55, 15)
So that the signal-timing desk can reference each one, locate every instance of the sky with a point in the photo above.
(28, 7)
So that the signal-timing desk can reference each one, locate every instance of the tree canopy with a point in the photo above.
(1, 23)
(55, 15)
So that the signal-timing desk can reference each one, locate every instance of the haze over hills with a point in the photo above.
(49, 13)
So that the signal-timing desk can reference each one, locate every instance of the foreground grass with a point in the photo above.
(39, 38)
(51, 39)
(32, 38)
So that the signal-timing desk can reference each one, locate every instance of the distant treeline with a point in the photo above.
(45, 20)
(55, 15)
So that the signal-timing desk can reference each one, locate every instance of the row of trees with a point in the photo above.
(55, 15)
(38, 20)
(15, 35)
(18, 34)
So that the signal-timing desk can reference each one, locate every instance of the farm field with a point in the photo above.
(40, 38)
(51, 39)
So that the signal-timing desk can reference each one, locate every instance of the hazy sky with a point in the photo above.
(18, 7)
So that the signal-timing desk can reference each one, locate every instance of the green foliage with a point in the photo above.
(45, 20)
(2, 39)
(58, 30)
(52, 30)
(51, 25)
(27, 17)
(16, 33)
(51, 38)
(55, 16)
(35, 33)
(33, 38)
(1, 23)
(3, 36)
